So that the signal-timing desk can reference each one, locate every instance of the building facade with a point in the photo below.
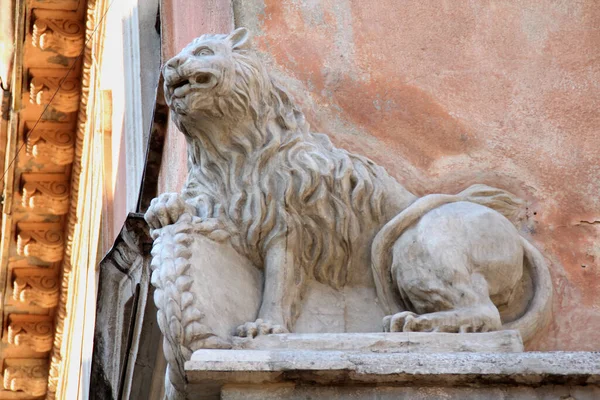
(442, 95)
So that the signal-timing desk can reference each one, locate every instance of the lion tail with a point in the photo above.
(537, 314)
(499, 200)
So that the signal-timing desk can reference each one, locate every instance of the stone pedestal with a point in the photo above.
(390, 366)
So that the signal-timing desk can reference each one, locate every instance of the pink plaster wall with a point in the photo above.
(182, 21)
(448, 93)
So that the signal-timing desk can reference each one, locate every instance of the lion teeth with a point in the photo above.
(181, 90)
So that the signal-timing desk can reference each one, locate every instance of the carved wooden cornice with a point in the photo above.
(52, 141)
(48, 193)
(62, 36)
(42, 88)
(28, 376)
(49, 33)
(33, 331)
(36, 286)
(41, 240)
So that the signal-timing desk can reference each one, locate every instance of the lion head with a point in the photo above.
(216, 78)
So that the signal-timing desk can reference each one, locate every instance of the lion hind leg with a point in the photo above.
(454, 309)
(482, 318)
(442, 288)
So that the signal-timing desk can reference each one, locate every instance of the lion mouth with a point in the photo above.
(182, 85)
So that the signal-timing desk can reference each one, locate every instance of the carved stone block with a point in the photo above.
(63, 36)
(42, 240)
(36, 286)
(51, 141)
(46, 192)
(29, 376)
(33, 331)
(64, 92)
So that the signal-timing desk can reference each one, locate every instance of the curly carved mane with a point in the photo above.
(254, 162)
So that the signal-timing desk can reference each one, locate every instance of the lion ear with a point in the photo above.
(239, 38)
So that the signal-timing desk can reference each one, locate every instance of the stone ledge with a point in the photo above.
(402, 342)
(346, 368)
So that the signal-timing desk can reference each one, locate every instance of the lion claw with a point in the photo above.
(166, 209)
(259, 327)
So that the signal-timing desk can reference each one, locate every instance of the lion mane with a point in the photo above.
(254, 163)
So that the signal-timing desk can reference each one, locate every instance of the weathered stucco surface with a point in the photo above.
(446, 94)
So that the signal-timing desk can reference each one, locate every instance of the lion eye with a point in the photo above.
(203, 51)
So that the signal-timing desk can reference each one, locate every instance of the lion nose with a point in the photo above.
(174, 62)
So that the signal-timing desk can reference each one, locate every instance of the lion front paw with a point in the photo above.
(259, 327)
(166, 210)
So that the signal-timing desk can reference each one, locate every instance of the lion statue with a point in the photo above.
(299, 208)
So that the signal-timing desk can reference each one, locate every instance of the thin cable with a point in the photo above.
(56, 92)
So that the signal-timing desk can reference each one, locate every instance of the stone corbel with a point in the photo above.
(45, 192)
(51, 141)
(33, 331)
(63, 36)
(28, 376)
(43, 88)
(41, 240)
(124, 303)
(36, 286)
